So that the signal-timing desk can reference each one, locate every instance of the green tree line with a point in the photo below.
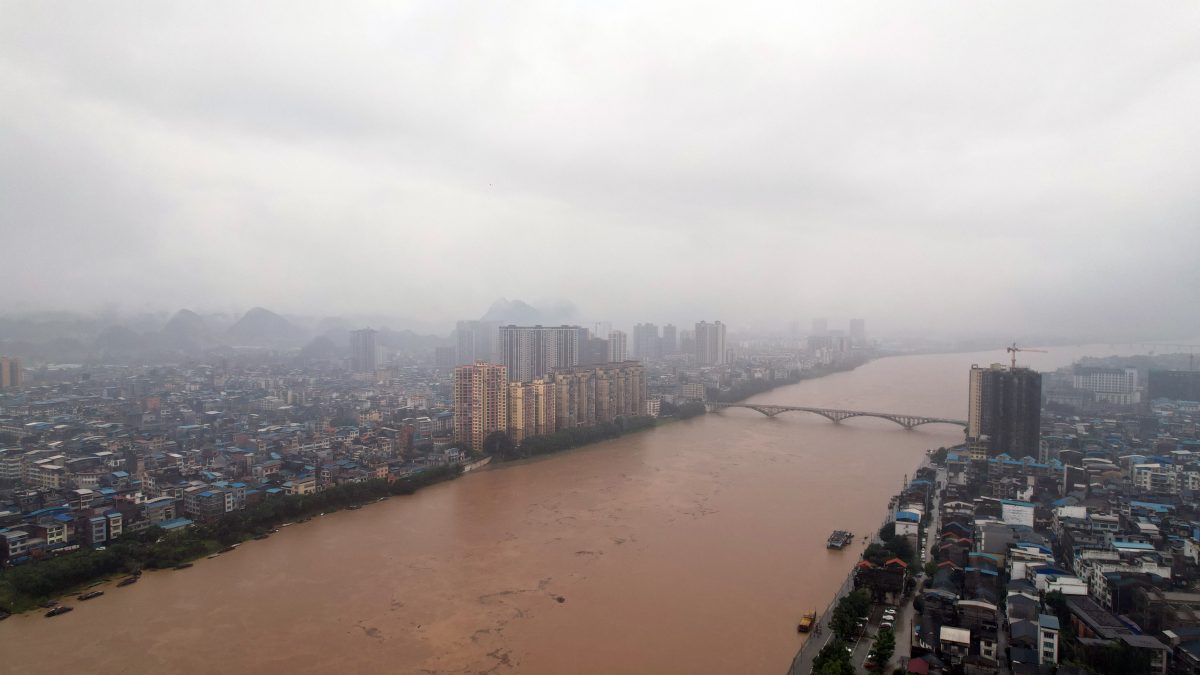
(499, 445)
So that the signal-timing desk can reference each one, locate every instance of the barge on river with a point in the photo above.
(839, 539)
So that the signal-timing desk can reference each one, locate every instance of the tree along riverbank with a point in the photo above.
(750, 388)
(28, 586)
(500, 446)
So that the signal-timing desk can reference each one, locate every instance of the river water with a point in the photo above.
(691, 548)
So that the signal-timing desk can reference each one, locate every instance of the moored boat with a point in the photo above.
(61, 609)
(807, 622)
(839, 539)
(93, 594)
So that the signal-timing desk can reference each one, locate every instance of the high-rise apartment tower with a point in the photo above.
(710, 343)
(480, 402)
(1005, 409)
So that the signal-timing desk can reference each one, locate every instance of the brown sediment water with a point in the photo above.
(691, 548)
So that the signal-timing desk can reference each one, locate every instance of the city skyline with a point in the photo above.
(228, 172)
(556, 337)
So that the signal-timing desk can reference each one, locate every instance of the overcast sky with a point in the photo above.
(974, 164)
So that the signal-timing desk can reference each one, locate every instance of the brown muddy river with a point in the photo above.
(692, 548)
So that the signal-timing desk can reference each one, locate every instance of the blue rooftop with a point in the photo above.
(174, 523)
(1137, 545)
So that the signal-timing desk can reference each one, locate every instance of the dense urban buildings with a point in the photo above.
(710, 343)
(480, 402)
(1078, 552)
(1004, 409)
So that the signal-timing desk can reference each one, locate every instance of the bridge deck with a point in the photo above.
(836, 415)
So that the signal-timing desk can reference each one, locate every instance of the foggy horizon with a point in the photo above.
(1025, 169)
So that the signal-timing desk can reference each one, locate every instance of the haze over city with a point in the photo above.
(600, 337)
(1016, 167)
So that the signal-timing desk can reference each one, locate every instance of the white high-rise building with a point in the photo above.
(1118, 386)
(531, 352)
(618, 347)
(710, 343)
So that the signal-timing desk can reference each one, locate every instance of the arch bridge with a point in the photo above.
(909, 422)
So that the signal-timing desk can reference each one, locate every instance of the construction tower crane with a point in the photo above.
(1014, 349)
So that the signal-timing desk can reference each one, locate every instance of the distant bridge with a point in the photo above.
(909, 422)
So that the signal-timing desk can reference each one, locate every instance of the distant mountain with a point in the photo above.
(119, 342)
(523, 314)
(186, 332)
(514, 311)
(321, 348)
(336, 328)
(262, 327)
(408, 342)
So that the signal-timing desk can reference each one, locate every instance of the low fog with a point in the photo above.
(966, 167)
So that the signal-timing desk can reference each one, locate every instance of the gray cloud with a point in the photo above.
(925, 165)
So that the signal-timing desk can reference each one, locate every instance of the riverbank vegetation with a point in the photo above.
(26, 586)
(892, 547)
(498, 444)
(833, 659)
(846, 613)
(682, 411)
(748, 388)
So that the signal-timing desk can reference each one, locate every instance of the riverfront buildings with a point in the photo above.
(531, 409)
(480, 402)
(595, 395)
(1004, 409)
